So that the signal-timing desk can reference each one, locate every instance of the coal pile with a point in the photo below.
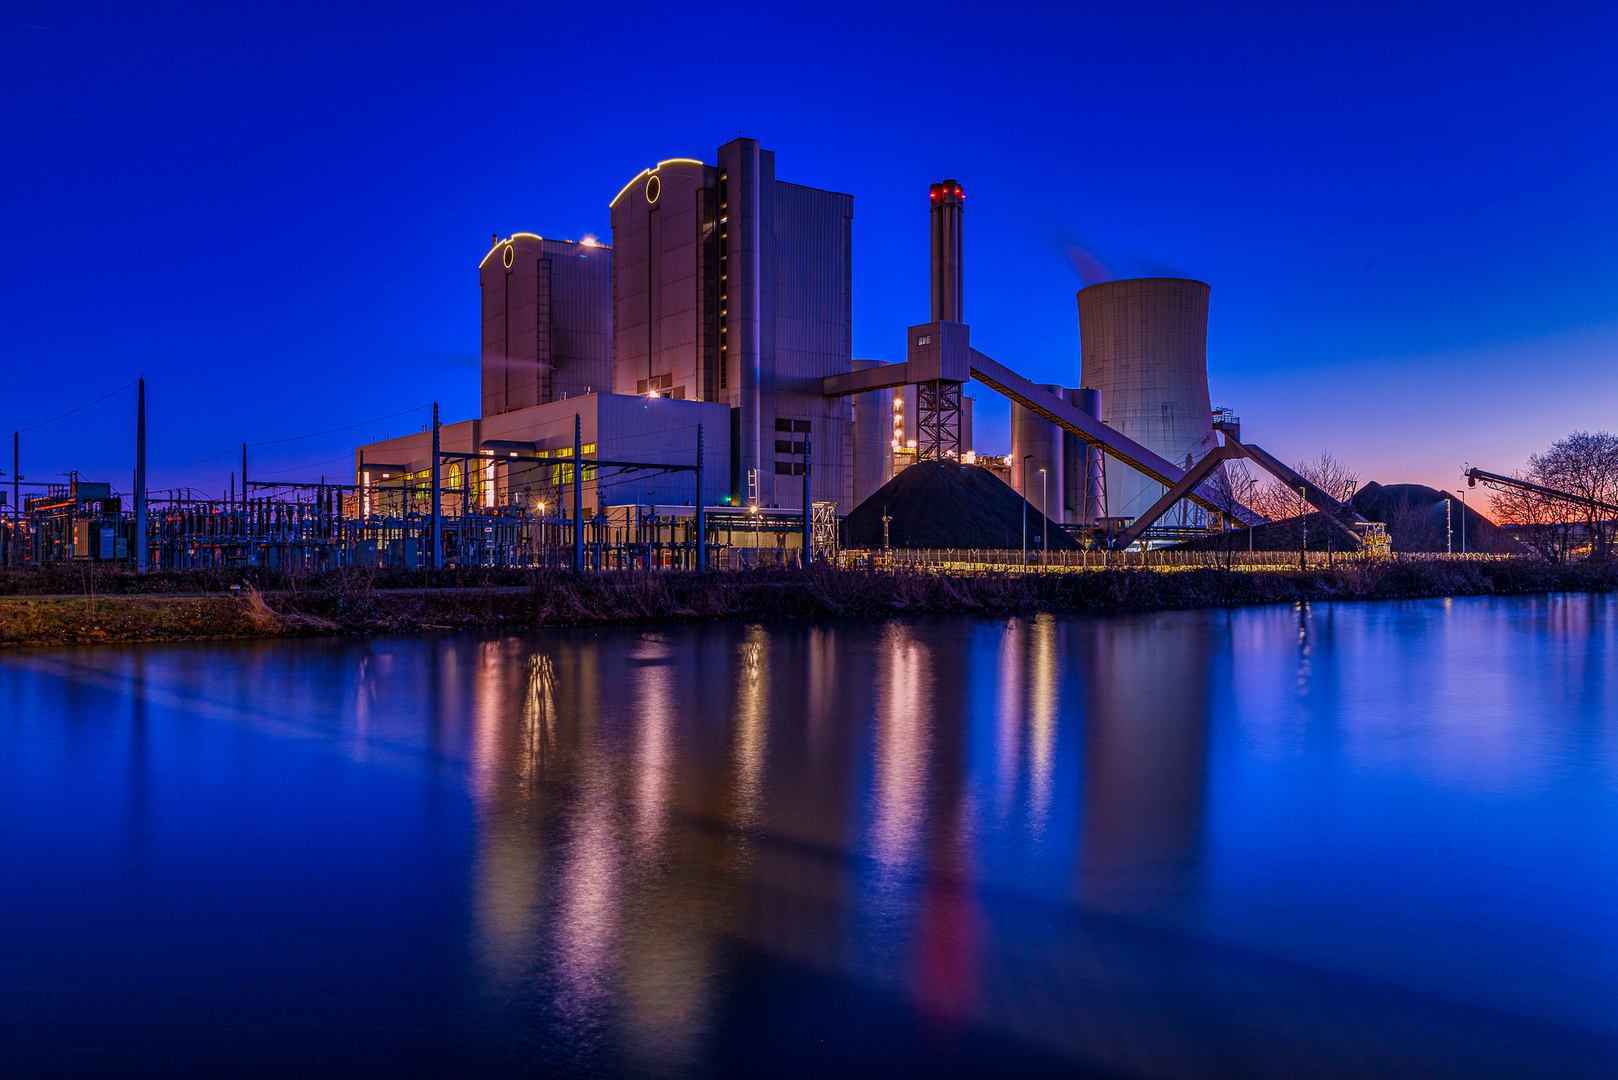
(1414, 515)
(949, 506)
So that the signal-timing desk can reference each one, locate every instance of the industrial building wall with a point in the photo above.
(1145, 349)
(546, 321)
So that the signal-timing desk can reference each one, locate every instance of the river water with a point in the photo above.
(1368, 839)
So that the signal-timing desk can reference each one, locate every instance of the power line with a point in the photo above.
(345, 427)
(203, 461)
(299, 468)
(295, 438)
(81, 408)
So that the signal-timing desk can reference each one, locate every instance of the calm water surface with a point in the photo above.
(1352, 840)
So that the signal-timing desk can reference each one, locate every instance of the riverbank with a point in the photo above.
(35, 608)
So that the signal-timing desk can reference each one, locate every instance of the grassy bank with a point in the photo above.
(34, 611)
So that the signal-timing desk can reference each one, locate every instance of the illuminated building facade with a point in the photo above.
(547, 321)
(732, 286)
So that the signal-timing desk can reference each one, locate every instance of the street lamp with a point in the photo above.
(1303, 519)
(1046, 514)
(1022, 482)
(1449, 541)
(1462, 493)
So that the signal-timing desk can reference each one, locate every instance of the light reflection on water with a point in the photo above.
(1370, 839)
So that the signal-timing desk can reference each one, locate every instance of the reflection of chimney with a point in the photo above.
(946, 267)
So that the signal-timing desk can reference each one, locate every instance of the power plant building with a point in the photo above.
(725, 300)
(732, 286)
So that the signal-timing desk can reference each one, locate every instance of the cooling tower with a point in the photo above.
(1145, 343)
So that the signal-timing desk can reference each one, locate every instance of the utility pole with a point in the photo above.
(885, 520)
(702, 518)
(247, 528)
(438, 518)
(1449, 533)
(140, 478)
(807, 553)
(578, 493)
(16, 505)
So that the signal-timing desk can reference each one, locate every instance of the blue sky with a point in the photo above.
(1407, 214)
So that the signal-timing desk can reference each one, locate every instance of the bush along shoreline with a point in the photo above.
(44, 607)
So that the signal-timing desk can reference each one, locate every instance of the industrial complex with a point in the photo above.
(685, 393)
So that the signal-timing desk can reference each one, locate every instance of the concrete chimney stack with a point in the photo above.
(946, 264)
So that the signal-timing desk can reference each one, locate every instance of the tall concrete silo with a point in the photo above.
(1145, 345)
(1041, 443)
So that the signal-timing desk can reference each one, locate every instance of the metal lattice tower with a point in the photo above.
(938, 418)
(823, 530)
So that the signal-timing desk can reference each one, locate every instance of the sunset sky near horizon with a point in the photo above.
(1407, 213)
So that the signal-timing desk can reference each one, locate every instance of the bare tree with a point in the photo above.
(1539, 522)
(1583, 464)
(1281, 503)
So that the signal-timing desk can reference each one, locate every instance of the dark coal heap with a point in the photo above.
(949, 506)
(1414, 514)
